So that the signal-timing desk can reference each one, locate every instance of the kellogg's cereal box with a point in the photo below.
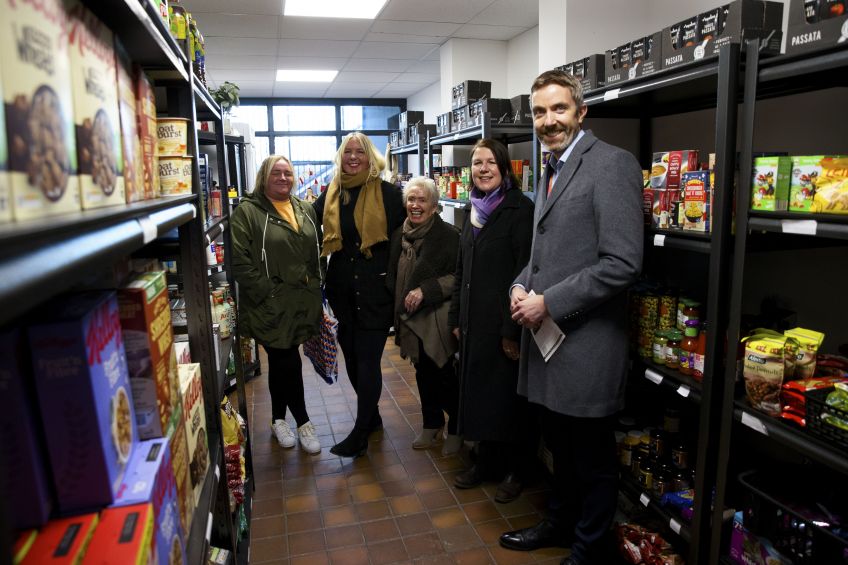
(194, 416)
(696, 201)
(37, 103)
(149, 344)
(124, 536)
(179, 464)
(85, 398)
(147, 132)
(62, 541)
(130, 140)
(96, 119)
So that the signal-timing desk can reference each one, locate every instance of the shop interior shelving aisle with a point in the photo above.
(782, 443)
(41, 259)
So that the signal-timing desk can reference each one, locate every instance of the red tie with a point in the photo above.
(551, 174)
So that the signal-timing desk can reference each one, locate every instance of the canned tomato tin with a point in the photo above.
(172, 136)
(175, 175)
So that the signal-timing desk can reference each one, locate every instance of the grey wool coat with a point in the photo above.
(587, 250)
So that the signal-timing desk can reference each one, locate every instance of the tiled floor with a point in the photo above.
(394, 505)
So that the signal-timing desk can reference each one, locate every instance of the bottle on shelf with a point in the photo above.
(700, 353)
(688, 347)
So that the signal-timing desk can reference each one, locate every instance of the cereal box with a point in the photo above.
(146, 118)
(149, 344)
(130, 141)
(37, 103)
(666, 170)
(95, 108)
(770, 185)
(21, 439)
(84, 393)
(179, 463)
(62, 541)
(194, 417)
(696, 201)
(150, 478)
(124, 535)
(819, 184)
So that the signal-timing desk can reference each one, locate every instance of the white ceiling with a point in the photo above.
(393, 56)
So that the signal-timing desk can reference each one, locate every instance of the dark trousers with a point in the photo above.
(285, 382)
(586, 479)
(439, 391)
(362, 351)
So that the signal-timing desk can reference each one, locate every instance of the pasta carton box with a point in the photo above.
(85, 397)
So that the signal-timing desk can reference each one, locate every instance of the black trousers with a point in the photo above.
(439, 391)
(362, 350)
(285, 382)
(585, 479)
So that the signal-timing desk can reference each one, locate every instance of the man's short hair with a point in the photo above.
(563, 79)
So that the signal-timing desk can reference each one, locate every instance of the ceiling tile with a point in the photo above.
(255, 88)
(268, 7)
(456, 11)
(432, 67)
(238, 75)
(414, 28)
(316, 48)
(353, 90)
(300, 89)
(235, 62)
(399, 90)
(502, 33)
(240, 46)
(323, 28)
(404, 38)
(312, 63)
(519, 13)
(378, 50)
(234, 25)
(385, 65)
(433, 55)
(417, 78)
(356, 76)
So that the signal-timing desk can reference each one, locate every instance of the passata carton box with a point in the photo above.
(816, 25)
(150, 478)
(819, 183)
(85, 398)
(96, 121)
(643, 57)
(22, 449)
(37, 102)
(124, 536)
(194, 417)
(696, 201)
(179, 463)
(590, 71)
(521, 113)
(146, 118)
(667, 169)
(149, 344)
(63, 541)
(130, 140)
(702, 36)
(770, 185)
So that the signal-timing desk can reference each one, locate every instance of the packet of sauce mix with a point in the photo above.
(769, 360)
(809, 342)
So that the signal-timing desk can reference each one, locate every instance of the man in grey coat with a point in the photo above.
(587, 250)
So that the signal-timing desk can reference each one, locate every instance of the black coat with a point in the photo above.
(486, 268)
(355, 285)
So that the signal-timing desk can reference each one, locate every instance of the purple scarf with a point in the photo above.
(482, 206)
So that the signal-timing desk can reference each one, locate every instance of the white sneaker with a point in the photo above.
(282, 431)
(308, 440)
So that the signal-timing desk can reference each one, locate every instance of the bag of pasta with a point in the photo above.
(809, 342)
(769, 360)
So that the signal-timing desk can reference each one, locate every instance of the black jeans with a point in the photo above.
(585, 479)
(362, 351)
(439, 391)
(285, 382)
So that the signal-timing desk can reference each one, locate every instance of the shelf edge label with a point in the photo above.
(800, 227)
(149, 229)
(754, 423)
(209, 528)
(611, 94)
(659, 240)
(217, 473)
(654, 377)
(645, 499)
(193, 211)
(683, 391)
(674, 525)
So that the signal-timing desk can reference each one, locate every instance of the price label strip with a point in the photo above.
(209, 528)
(149, 229)
(800, 227)
(654, 377)
(683, 391)
(659, 240)
(611, 94)
(645, 500)
(674, 525)
(754, 423)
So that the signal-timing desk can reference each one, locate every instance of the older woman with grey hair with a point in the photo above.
(422, 259)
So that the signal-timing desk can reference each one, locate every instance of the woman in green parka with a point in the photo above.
(276, 264)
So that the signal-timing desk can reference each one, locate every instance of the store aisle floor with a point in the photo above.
(394, 505)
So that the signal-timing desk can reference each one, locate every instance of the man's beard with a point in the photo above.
(560, 147)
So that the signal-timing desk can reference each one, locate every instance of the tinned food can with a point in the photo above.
(172, 136)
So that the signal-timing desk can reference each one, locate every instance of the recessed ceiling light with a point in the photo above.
(361, 9)
(295, 75)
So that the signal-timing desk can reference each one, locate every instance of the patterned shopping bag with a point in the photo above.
(322, 349)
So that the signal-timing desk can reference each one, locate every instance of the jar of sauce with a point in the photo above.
(672, 348)
(660, 341)
(688, 347)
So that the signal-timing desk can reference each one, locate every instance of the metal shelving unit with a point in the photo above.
(639, 495)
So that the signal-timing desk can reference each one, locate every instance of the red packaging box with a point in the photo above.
(124, 536)
(60, 542)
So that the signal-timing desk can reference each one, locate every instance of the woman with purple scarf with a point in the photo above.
(494, 246)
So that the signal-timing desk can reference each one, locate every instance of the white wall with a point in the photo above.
(428, 101)
(597, 25)
(522, 62)
(551, 34)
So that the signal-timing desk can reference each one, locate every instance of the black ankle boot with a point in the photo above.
(354, 445)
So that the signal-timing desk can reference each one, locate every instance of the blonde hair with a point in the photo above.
(265, 172)
(425, 184)
(376, 162)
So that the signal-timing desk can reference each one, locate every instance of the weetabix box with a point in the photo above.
(194, 417)
(702, 36)
(816, 24)
(643, 57)
(124, 535)
(179, 464)
(149, 344)
(150, 478)
(146, 118)
(84, 394)
(26, 478)
(95, 109)
(770, 183)
(37, 102)
(63, 541)
(130, 140)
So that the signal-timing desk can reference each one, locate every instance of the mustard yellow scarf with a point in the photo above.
(369, 215)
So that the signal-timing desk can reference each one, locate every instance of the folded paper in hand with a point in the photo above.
(548, 337)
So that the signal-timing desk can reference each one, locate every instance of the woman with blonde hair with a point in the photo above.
(359, 213)
(275, 262)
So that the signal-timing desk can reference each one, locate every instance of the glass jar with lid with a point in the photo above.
(660, 341)
(672, 348)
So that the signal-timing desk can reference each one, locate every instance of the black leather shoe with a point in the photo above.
(376, 424)
(354, 445)
(470, 478)
(543, 534)
(508, 489)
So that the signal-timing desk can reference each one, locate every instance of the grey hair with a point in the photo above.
(424, 183)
